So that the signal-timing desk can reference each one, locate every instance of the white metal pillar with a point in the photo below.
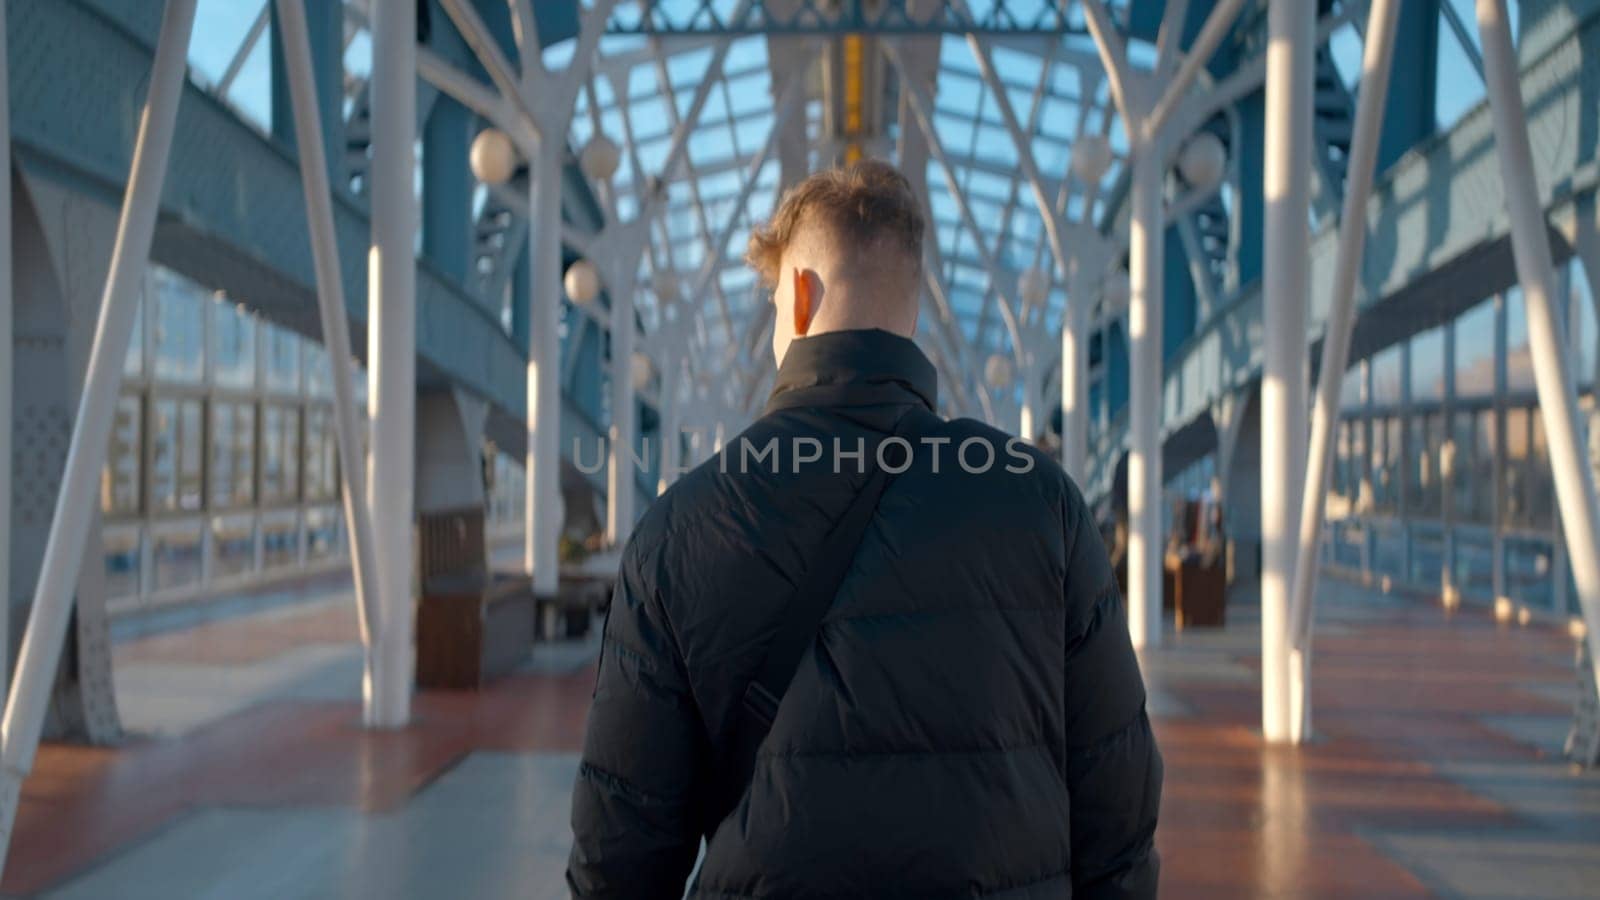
(1146, 264)
(392, 351)
(620, 477)
(1146, 107)
(543, 510)
(1530, 245)
(335, 332)
(75, 504)
(1028, 411)
(1291, 44)
(1075, 375)
(1375, 66)
(671, 439)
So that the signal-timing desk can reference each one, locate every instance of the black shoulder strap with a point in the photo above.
(802, 618)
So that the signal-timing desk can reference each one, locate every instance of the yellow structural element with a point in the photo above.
(854, 87)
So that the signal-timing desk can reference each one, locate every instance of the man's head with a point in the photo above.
(843, 251)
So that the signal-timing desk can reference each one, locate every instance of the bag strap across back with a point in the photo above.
(802, 619)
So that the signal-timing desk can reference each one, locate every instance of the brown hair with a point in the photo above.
(864, 207)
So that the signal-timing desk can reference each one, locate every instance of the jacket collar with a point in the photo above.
(854, 368)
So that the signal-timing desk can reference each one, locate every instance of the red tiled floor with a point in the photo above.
(247, 639)
(1396, 694)
(82, 802)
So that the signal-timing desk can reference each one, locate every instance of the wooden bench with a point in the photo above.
(472, 624)
(1200, 592)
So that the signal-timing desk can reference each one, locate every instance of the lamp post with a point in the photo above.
(1091, 159)
(1146, 108)
(599, 160)
(1033, 288)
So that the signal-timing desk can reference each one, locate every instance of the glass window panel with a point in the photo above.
(123, 560)
(1587, 340)
(233, 545)
(233, 347)
(179, 322)
(1350, 389)
(1386, 461)
(1360, 479)
(1427, 366)
(1475, 352)
(191, 471)
(1347, 539)
(232, 454)
(1528, 572)
(175, 556)
(1485, 456)
(1420, 473)
(119, 480)
(1519, 356)
(280, 540)
(1340, 502)
(318, 370)
(1474, 564)
(1389, 543)
(323, 532)
(321, 455)
(283, 361)
(1541, 481)
(133, 363)
(176, 465)
(1386, 377)
(1530, 493)
(1427, 554)
(280, 453)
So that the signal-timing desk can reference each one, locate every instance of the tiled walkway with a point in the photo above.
(1434, 770)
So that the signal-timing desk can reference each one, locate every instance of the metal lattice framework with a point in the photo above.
(836, 17)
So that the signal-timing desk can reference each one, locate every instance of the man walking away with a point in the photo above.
(852, 680)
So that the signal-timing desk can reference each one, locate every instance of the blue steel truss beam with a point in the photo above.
(821, 17)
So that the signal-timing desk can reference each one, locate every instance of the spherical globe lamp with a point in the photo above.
(1034, 286)
(642, 370)
(1203, 161)
(582, 282)
(493, 156)
(997, 371)
(600, 158)
(1091, 158)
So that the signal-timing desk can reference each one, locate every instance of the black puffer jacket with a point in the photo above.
(970, 722)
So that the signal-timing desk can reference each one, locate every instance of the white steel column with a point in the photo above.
(1146, 264)
(543, 510)
(75, 504)
(1530, 245)
(392, 351)
(1291, 44)
(671, 440)
(1075, 375)
(1146, 109)
(620, 478)
(1375, 67)
(335, 332)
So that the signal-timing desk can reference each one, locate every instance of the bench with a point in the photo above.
(472, 624)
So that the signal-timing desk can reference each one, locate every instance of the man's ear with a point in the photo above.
(807, 299)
